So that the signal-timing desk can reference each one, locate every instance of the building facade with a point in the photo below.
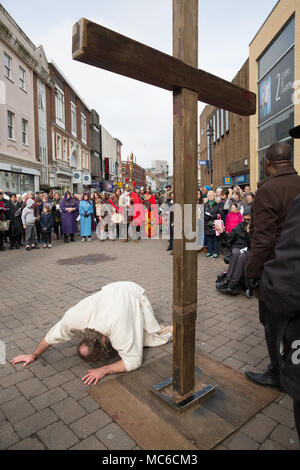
(70, 164)
(96, 157)
(274, 75)
(224, 153)
(139, 174)
(20, 163)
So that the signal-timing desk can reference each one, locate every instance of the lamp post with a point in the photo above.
(210, 133)
(117, 171)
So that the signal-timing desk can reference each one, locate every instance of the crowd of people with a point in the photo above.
(32, 219)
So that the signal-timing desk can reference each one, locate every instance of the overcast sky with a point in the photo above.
(138, 114)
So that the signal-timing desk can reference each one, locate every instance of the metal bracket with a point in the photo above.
(164, 390)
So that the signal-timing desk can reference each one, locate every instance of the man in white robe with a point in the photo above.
(120, 312)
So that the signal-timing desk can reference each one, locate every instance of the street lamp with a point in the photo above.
(210, 133)
(117, 170)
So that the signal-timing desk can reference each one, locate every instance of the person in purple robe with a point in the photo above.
(69, 214)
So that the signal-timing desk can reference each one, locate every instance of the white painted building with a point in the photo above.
(19, 168)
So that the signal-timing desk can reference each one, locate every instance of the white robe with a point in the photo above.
(120, 311)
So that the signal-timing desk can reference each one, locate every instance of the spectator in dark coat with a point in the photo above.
(239, 242)
(271, 204)
(212, 210)
(46, 226)
(15, 226)
(280, 291)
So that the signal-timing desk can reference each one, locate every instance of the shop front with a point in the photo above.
(19, 179)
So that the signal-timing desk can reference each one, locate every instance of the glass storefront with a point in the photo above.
(16, 182)
(275, 90)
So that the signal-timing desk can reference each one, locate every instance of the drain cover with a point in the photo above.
(88, 259)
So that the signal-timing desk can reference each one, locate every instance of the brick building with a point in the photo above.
(70, 166)
(230, 142)
(139, 174)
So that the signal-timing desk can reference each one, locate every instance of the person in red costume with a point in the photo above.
(151, 214)
(137, 213)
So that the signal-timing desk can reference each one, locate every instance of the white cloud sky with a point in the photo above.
(137, 114)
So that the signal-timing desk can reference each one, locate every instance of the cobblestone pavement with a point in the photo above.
(46, 405)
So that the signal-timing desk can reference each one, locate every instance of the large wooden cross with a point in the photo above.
(103, 48)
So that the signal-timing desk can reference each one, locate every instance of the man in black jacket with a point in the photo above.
(272, 201)
(280, 290)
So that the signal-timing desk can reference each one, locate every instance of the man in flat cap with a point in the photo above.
(274, 197)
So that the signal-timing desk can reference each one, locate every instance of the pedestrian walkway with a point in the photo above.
(46, 405)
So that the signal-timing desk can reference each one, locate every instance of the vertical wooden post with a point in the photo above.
(185, 48)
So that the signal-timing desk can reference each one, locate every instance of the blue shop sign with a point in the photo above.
(203, 162)
(227, 181)
(240, 179)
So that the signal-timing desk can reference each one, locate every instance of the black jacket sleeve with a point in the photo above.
(280, 282)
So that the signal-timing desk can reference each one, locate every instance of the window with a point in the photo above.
(7, 66)
(218, 124)
(22, 75)
(58, 147)
(282, 43)
(65, 150)
(73, 118)
(10, 123)
(227, 121)
(214, 128)
(60, 107)
(222, 122)
(83, 128)
(24, 131)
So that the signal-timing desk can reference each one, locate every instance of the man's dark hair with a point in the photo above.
(279, 154)
(99, 350)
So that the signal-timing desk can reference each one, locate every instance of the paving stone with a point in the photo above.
(90, 424)
(91, 443)
(271, 445)
(286, 437)
(233, 363)
(58, 379)
(224, 352)
(76, 388)
(69, 410)
(114, 438)
(34, 423)
(17, 409)
(8, 437)
(89, 404)
(280, 414)
(28, 444)
(48, 398)
(259, 428)
(31, 387)
(65, 364)
(9, 394)
(242, 442)
(16, 378)
(57, 436)
(42, 369)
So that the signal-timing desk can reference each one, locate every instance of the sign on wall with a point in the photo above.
(276, 88)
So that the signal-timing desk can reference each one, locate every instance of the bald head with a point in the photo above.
(280, 152)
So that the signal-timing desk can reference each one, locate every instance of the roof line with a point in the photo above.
(275, 6)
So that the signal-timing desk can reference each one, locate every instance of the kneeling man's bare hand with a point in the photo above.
(94, 375)
(27, 358)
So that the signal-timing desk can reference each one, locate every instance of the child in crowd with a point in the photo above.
(28, 220)
(46, 222)
(233, 219)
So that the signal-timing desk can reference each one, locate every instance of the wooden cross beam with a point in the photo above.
(100, 47)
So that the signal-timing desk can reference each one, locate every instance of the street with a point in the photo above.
(46, 405)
